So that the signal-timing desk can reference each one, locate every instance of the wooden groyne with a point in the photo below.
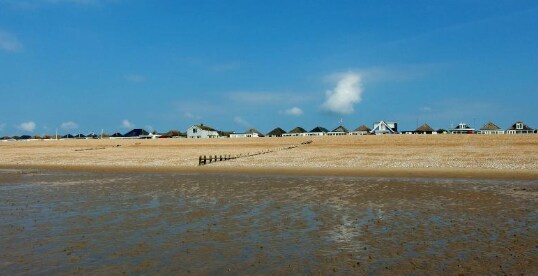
(208, 159)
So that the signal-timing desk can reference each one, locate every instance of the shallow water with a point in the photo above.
(71, 222)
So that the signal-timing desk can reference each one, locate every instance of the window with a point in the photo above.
(519, 126)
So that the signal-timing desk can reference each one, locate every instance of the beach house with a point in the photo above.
(361, 130)
(251, 133)
(383, 127)
(298, 131)
(340, 130)
(490, 128)
(317, 131)
(462, 128)
(201, 131)
(137, 133)
(519, 128)
(277, 132)
(425, 129)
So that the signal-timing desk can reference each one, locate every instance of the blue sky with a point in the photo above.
(85, 65)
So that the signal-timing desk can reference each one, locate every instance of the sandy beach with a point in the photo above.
(475, 156)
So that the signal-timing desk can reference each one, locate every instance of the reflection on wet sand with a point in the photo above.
(72, 222)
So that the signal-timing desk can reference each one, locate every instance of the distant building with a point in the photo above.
(251, 133)
(490, 128)
(201, 131)
(137, 133)
(317, 131)
(340, 130)
(362, 130)
(462, 128)
(383, 127)
(277, 132)
(519, 128)
(116, 135)
(298, 131)
(425, 129)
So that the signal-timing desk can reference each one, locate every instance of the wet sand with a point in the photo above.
(469, 156)
(66, 222)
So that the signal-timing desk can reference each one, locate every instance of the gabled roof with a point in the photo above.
(319, 129)
(490, 126)
(136, 132)
(377, 128)
(68, 136)
(340, 129)
(525, 127)
(206, 128)
(363, 128)
(25, 137)
(297, 130)
(80, 135)
(117, 134)
(276, 132)
(425, 128)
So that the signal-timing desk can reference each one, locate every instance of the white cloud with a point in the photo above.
(345, 95)
(294, 111)
(27, 126)
(127, 124)
(69, 125)
(9, 42)
(135, 78)
(242, 122)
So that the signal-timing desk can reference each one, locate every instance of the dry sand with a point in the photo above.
(479, 156)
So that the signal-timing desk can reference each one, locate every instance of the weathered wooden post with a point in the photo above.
(200, 160)
(205, 159)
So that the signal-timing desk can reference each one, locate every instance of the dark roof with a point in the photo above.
(207, 128)
(363, 128)
(319, 129)
(297, 130)
(5, 138)
(68, 136)
(117, 134)
(253, 130)
(425, 128)
(136, 132)
(25, 137)
(525, 127)
(490, 126)
(80, 135)
(463, 126)
(276, 132)
(340, 129)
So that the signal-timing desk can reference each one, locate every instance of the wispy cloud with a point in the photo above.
(69, 125)
(9, 42)
(345, 95)
(134, 78)
(426, 109)
(2, 126)
(127, 124)
(242, 122)
(27, 126)
(400, 72)
(294, 111)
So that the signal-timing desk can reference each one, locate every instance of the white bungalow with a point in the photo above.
(490, 128)
(251, 133)
(362, 130)
(317, 131)
(383, 127)
(340, 130)
(201, 131)
(519, 128)
(462, 128)
(298, 131)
